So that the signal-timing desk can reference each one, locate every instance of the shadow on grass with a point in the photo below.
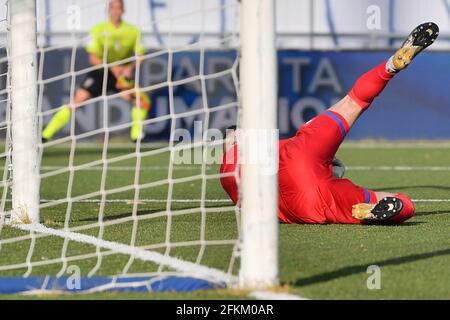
(431, 213)
(393, 225)
(96, 152)
(361, 268)
(408, 224)
(109, 217)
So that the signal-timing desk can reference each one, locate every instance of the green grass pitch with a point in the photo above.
(316, 262)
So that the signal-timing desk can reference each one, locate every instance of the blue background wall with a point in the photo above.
(415, 104)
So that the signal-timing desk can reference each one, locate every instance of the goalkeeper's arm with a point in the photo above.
(117, 71)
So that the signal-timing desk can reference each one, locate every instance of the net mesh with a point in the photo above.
(111, 207)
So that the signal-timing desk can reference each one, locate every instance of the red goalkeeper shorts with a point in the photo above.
(308, 191)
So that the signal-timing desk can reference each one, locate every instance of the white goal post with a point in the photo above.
(258, 76)
(254, 75)
(24, 119)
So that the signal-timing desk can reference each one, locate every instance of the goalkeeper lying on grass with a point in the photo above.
(123, 42)
(308, 190)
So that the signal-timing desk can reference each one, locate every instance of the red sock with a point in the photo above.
(407, 210)
(370, 85)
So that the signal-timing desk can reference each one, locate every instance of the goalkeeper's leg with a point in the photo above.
(364, 91)
(139, 113)
(388, 208)
(61, 117)
(92, 86)
(372, 83)
(141, 106)
(327, 131)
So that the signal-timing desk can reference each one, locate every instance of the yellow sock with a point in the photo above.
(58, 121)
(144, 99)
(137, 116)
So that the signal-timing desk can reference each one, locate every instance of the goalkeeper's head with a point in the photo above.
(230, 135)
(116, 10)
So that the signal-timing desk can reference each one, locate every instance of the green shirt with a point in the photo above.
(122, 41)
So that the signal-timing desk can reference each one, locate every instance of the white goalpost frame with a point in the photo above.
(257, 98)
(259, 188)
(24, 124)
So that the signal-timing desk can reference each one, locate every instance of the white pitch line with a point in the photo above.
(431, 200)
(143, 200)
(443, 144)
(193, 200)
(128, 168)
(198, 167)
(398, 168)
(138, 253)
(130, 201)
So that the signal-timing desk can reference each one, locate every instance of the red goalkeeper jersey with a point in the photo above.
(308, 191)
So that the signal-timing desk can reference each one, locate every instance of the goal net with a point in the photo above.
(111, 158)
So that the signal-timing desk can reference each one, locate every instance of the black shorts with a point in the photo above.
(93, 83)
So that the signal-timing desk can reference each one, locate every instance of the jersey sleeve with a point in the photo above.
(229, 183)
(94, 45)
(282, 142)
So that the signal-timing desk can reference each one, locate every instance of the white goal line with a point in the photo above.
(177, 264)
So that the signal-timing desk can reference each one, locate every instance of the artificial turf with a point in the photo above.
(316, 261)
